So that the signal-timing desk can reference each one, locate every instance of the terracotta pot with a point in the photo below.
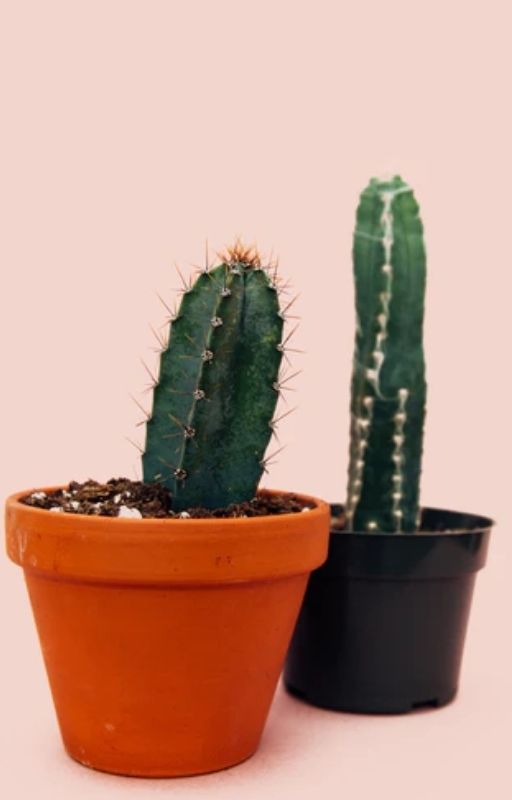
(164, 639)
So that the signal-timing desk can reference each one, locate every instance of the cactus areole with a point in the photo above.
(388, 382)
(218, 386)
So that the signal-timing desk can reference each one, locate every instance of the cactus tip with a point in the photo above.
(239, 253)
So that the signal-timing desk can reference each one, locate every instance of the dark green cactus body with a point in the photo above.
(217, 389)
(388, 383)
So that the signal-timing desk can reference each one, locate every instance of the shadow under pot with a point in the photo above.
(383, 622)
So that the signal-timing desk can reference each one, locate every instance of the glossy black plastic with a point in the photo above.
(383, 622)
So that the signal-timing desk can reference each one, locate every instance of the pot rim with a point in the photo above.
(156, 522)
(473, 524)
(148, 551)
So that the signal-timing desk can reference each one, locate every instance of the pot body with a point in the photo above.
(164, 639)
(383, 622)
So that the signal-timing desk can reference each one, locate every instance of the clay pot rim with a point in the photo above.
(61, 522)
(172, 551)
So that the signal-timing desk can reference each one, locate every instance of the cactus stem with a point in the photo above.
(192, 341)
(172, 435)
(370, 236)
(186, 430)
(213, 340)
(385, 297)
(171, 467)
(388, 384)
(176, 421)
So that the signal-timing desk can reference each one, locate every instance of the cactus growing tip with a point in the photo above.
(239, 253)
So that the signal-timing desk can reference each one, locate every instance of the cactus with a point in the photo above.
(388, 382)
(218, 386)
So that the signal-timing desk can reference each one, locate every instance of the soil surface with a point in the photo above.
(121, 497)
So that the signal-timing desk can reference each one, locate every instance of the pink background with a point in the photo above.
(131, 131)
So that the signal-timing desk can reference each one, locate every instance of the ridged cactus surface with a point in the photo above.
(217, 387)
(388, 383)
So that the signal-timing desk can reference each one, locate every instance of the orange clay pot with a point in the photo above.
(164, 639)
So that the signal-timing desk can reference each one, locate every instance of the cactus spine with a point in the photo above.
(218, 386)
(388, 382)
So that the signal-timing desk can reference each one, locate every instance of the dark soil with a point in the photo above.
(120, 497)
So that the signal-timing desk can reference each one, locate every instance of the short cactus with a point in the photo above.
(388, 382)
(218, 385)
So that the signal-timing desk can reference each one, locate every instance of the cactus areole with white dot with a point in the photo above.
(388, 381)
(215, 396)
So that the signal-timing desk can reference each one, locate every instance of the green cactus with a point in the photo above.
(388, 382)
(218, 386)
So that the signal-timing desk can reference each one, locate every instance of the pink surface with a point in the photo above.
(133, 130)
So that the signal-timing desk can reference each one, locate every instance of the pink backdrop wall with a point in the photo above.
(130, 132)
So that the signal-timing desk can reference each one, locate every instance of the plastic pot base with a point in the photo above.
(373, 705)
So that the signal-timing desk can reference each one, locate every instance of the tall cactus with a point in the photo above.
(218, 386)
(388, 382)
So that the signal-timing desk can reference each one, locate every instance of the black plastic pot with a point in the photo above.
(383, 622)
